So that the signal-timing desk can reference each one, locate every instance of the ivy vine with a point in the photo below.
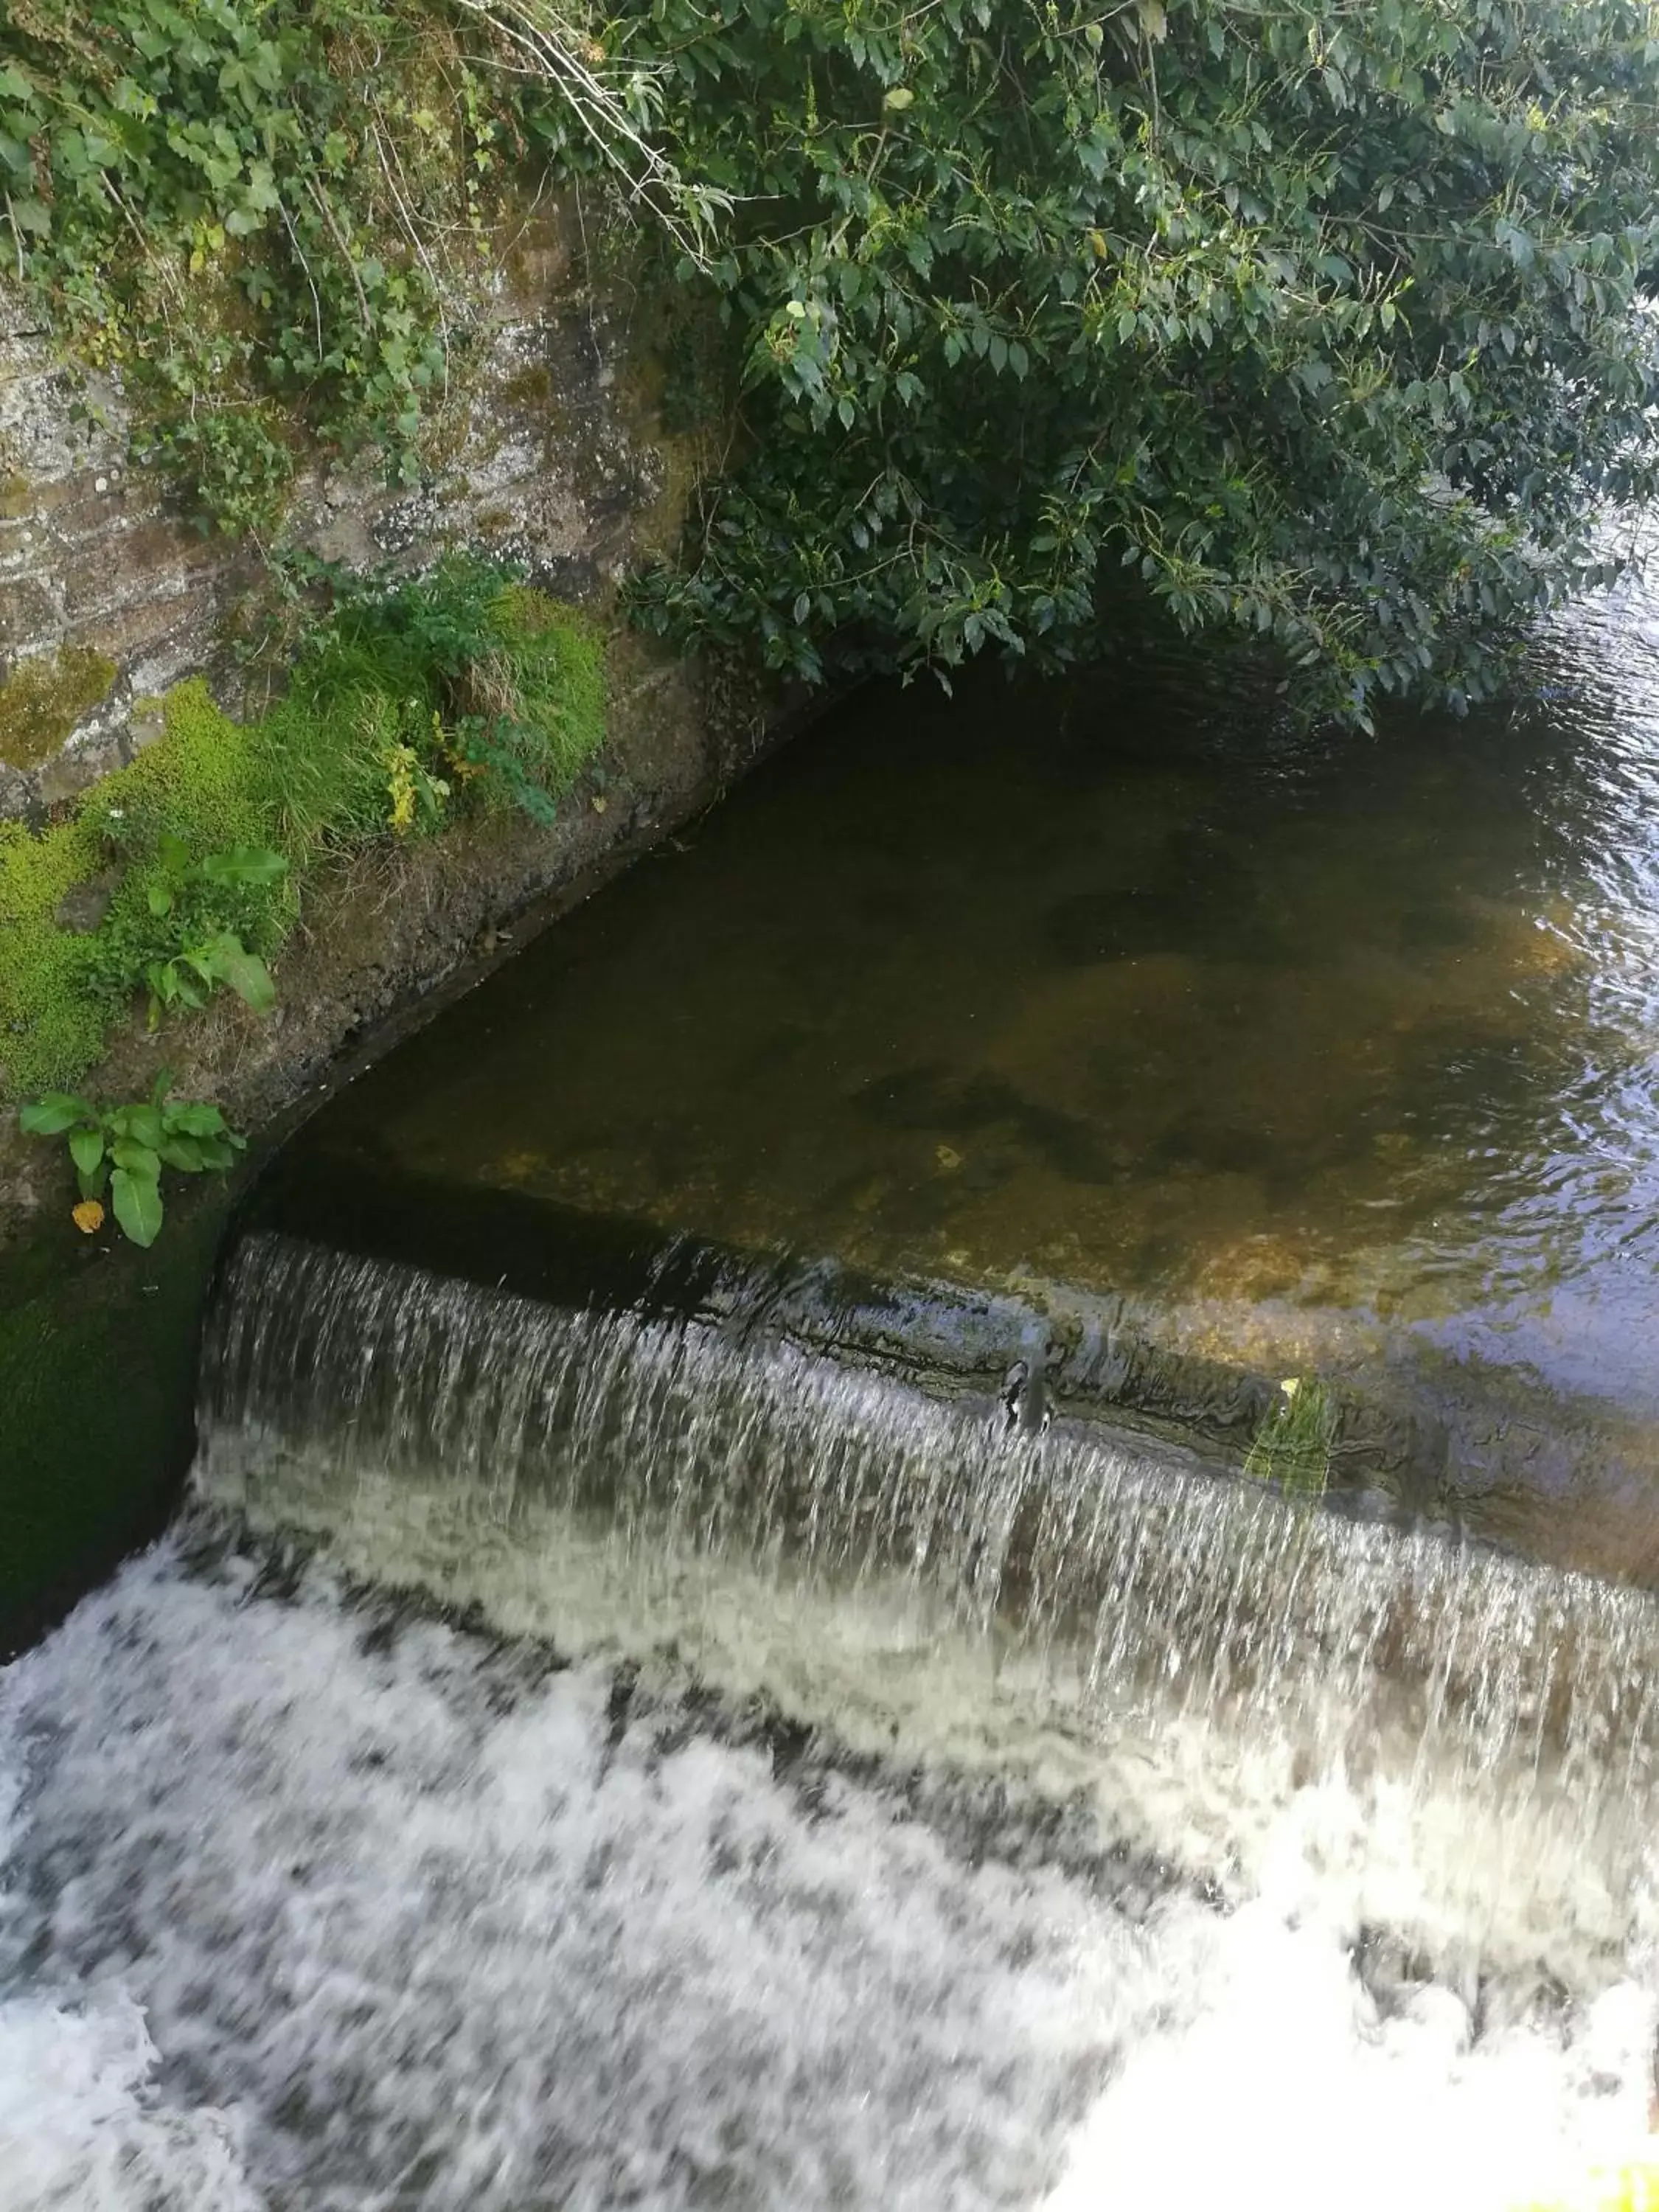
(258, 214)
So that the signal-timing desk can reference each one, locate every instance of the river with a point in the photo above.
(593, 1741)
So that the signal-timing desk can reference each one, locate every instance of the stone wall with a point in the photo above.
(554, 458)
(551, 455)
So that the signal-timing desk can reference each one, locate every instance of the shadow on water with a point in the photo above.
(1317, 1050)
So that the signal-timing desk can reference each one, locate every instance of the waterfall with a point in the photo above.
(595, 1757)
(1091, 1614)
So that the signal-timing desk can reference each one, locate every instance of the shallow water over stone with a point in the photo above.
(1312, 1048)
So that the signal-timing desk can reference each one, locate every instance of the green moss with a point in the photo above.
(52, 1017)
(45, 697)
(557, 657)
(479, 686)
(203, 781)
(204, 772)
(207, 781)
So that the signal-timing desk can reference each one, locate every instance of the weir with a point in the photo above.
(1088, 1611)
(626, 1716)
(666, 1747)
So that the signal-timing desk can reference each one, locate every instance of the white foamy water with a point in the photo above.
(80, 2123)
(831, 1803)
(308, 1903)
(1082, 1613)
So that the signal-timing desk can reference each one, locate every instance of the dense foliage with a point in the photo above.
(255, 210)
(1322, 320)
(1324, 317)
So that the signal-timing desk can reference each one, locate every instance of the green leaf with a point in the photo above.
(184, 1153)
(138, 1124)
(87, 1149)
(245, 863)
(246, 973)
(51, 1116)
(1516, 243)
(196, 1117)
(158, 899)
(137, 1206)
(899, 99)
(140, 1162)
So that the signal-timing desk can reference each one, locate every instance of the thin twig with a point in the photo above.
(415, 240)
(327, 213)
(548, 46)
(316, 296)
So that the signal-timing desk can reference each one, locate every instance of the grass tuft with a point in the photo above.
(1294, 1446)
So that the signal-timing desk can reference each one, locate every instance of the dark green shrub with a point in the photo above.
(1329, 325)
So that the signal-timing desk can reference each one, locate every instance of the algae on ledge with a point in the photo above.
(46, 696)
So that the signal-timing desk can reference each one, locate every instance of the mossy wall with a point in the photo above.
(98, 1357)
(379, 734)
(550, 453)
(46, 696)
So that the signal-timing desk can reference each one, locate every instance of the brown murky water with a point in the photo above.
(1304, 1042)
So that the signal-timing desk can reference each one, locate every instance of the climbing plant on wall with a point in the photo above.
(262, 215)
